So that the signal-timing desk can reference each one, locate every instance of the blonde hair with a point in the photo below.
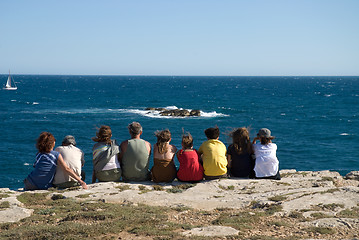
(241, 140)
(163, 137)
(103, 134)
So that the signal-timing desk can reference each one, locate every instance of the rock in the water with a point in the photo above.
(354, 175)
(196, 113)
(175, 112)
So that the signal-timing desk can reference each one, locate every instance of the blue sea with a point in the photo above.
(315, 119)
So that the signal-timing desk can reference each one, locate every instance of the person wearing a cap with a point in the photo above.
(74, 158)
(267, 164)
(46, 163)
(135, 155)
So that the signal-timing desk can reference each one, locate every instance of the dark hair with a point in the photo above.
(265, 140)
(241, 140)
(162, 138)
(212, 133)
(103, 134)
(187, 140)
(45, 142)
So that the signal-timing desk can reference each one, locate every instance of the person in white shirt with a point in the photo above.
(74, 158)
(267, 164)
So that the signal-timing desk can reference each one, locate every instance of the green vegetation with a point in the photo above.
(4, 195)
(318, 215)
(331, 206)
(297, 215)
(231, 187)
(277, 198)
(4, 205)
(72, 219)
(280, 224)
(158, 188)
(327, 179)
(143, 189)
(180, 188)
(241, 220)
(321, 230)
(123, 187)
(29, 199)
(83, 195)
(350, 213)
(332, 190)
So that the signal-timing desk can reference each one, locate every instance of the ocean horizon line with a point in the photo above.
(165, 75)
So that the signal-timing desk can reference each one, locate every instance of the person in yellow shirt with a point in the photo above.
(213, 153)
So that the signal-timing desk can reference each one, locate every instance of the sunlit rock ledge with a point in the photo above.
(299, 191)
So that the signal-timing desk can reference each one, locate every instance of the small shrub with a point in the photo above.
(57, 197)
(141, 187)
(296, 214)
(321, 230)
(83, 195)
(350, 213)
(332, 206)
(280, 224)
(277, 198)
(327, 179)
(4, 195)
(158, 188)
(226, 188)
(123, 187)
(4, 205)
(271, 209)
(32, 198)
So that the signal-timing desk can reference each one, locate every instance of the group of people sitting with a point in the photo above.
(129, 161)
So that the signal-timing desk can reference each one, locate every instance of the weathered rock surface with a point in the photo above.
(211, 231)
(308, 193)
(175, 112)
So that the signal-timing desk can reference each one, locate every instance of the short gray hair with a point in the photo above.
(135, 128)
(69, 139)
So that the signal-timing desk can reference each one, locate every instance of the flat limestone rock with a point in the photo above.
(212, 231)
(334, 223)
(14, 214)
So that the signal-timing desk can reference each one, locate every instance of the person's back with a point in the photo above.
(190, 169)
(213, 154)
(164, 169)
(239, 154)
(135, 161)
(135, 155)
(74, 158)
(267, 164)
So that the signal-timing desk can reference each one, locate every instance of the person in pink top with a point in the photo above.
(190, 169)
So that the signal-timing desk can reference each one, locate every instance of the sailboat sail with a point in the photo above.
(8, 85)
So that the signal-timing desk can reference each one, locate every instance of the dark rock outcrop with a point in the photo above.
(176, 112)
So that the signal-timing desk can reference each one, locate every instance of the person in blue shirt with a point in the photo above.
(45, 165)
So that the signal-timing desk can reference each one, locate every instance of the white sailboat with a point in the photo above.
(10, 84)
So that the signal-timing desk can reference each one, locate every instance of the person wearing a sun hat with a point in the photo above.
(267, 164)
(74, 158)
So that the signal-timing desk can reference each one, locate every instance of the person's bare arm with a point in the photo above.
(149, 147)
(123, 148)
(229, 160)
(65, 168)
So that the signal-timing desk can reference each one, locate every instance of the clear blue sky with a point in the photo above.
(180, 37)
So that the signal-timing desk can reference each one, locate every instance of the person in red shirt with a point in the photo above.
(190, 170)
